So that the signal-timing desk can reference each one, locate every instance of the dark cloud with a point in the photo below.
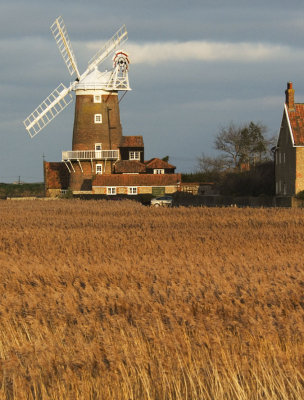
(177, 105)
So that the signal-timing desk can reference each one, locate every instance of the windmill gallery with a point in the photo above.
(102, 160)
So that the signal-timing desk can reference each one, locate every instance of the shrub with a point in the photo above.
(300, 195)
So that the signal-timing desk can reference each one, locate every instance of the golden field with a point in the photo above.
(114, 300)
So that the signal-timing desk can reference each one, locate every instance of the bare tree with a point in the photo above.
(229, 142)
(243, 143)
(213, 164)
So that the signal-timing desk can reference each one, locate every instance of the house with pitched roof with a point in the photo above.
(132, 175)
(128, 175)
(289, 153)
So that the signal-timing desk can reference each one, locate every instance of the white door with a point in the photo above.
(98, 149)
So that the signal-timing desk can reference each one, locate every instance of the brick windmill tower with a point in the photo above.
(97, 129)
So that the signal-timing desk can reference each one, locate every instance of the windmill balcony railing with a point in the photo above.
(90, 155)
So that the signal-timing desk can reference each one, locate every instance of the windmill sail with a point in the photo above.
(62, 39)
(61, 97)
(118, 38)
(56, 102)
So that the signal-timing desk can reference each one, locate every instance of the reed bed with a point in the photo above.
(114, 300)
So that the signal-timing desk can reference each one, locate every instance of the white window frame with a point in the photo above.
(132, 190)
(97, 98)
(98, 146)
(99, 169)
(111, 191)
(97, 118)
(158, 171)
(134, 155)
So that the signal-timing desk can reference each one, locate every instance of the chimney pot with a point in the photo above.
(289, 94)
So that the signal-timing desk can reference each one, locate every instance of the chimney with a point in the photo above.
(289, 93)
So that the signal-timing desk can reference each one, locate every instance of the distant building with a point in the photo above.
(289, 153)
(198, 188)
(128, 175)
(102, 160)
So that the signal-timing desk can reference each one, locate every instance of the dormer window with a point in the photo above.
(158, 171)
(134, 155)
(97, 118)
(97, 98)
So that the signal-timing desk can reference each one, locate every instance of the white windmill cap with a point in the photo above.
(94, 80)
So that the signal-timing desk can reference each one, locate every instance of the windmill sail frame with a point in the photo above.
(61, 97)
(64, 45)
(56, 102)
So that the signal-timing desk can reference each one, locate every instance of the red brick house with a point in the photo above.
(101, 160)
(129, 175)
(157, 166)
(289, 154)
(135, 184)
(101, 156)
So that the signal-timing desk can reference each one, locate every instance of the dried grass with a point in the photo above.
(113, 300)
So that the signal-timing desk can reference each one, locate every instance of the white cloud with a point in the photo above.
(160, 52)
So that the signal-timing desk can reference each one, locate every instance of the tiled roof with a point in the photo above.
(158, 163)
(197, 184)
(129, 166)
(131, 141)
(296, 118)
(137, 180)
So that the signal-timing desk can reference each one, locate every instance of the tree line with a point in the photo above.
(244, 165)
(239, 146)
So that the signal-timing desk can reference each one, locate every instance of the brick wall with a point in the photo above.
(299, 185)
(140, 189)
(86, 132)
(56, 175)
(144, 190)
(52, 192)
(82, 180)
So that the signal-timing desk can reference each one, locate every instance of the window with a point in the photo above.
(134, 155)
(284, 158)
(99, 169)
(97, 118)
(111, 190)
(98, 151)
(158, 171)
(97, 98)
(279, 158)
(132, 190)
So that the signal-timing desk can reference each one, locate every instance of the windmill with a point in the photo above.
(97, 129)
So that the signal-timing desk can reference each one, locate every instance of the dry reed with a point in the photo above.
(113, 300)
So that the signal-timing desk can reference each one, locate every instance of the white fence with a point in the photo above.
(90, 155)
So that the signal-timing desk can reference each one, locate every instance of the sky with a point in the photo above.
(196, 66)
